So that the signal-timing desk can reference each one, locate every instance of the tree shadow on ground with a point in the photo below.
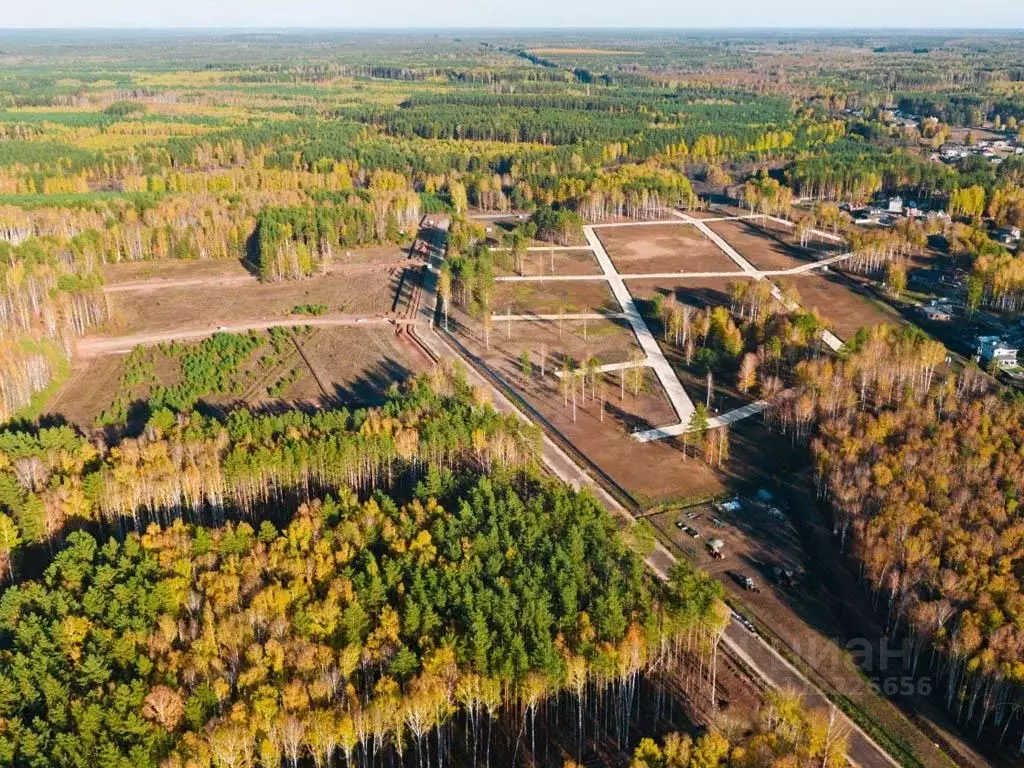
(371, 386)
(631, 421)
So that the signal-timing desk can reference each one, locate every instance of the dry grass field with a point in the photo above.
(843, 304)
(550, 262)
(555, 297)
(191, 306)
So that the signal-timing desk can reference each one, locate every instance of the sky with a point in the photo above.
(677, 14)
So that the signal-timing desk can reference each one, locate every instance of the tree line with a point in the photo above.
(205, 469)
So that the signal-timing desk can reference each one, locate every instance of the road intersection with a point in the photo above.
(655, 358)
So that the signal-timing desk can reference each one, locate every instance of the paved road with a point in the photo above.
(92, 346)
(681, 402)
(727, 249)
(756, 274)
(831, 340)
(722, 420)
(655, 357)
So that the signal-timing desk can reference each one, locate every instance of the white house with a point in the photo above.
(993, 348)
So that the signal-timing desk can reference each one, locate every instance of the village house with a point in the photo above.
(994, 349)
(937, 312)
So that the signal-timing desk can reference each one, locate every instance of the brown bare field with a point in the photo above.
(663, 248)
(655, 473)
(236, 270)
(581, 262)
(841, 302)
(174, 269)
(192, 306)
(759, 249)
(700, 292)
(357, 365)
(610, 341)
(709, 214)
(379, 254)
(553, 297)
(88, 391)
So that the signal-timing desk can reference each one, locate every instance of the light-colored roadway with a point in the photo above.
(656, 359)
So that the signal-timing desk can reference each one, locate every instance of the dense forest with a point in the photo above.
(205, 469)
(430, 589)
(929, 494)
(370, 630)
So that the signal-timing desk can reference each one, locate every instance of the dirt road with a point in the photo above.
(153, 284)
(92, 346)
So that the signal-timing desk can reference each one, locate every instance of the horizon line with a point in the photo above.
(490, 28)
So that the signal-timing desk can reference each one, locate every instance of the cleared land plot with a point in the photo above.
(233, 271)
(762, 251)
(581, 262)
(156, 272)
(663, 248)
(381, 254)
(88, 391)
(700, 292)
(653, 472)
(842, 303)
(195, 306)
(610, 341)
(357, 365)
(553, 297)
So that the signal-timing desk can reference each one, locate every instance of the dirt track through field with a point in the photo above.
(98, 345)
(158, 283)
